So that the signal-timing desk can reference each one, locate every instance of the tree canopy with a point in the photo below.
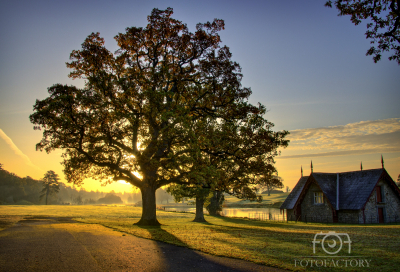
(383, 27)
(146, 112)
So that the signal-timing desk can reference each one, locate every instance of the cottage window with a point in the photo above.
(318, 198)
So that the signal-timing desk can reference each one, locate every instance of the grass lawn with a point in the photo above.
(269, 243)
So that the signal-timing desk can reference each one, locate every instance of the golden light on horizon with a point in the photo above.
(332, 149)
(136, 174)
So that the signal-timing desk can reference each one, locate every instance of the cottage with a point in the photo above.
(366, 196)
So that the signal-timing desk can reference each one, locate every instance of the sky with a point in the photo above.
(302, 61)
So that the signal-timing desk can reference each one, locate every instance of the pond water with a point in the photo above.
(249, 212)
(237, 212)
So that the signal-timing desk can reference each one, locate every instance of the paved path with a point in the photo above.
(60, 244)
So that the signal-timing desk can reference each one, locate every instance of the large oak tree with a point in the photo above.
(383, 23)
(140, 116)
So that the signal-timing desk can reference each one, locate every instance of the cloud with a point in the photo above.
(366, 137)
(16, 150)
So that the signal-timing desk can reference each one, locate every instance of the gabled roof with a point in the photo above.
(290, 201)
(354, 188)
(327, 183)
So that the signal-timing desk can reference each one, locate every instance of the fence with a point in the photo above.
(267, 217)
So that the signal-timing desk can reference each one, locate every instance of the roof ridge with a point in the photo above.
(348, 171)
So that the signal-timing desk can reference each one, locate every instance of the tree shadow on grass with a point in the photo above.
(280, 224)
(206, 223)
(179, 256)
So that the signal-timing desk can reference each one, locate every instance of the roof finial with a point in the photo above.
(383, 164)
(302, 171)
(312, 170)
(361, 166)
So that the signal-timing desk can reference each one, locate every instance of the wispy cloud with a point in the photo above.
(366, 137)
(17, 150)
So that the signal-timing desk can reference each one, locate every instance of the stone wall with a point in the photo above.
(349, 216)
(311, 212)
(390, 204)
(370, 211)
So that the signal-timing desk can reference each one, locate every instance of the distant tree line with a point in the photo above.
(15, 190)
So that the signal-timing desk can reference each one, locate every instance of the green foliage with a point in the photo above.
(151, 108)
(14, 189)
(179, 192)
(50, 185)
(383, 17)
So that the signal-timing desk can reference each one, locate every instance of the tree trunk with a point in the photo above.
(199, 210)
(47, 194)
(215, 206)
(149, 217)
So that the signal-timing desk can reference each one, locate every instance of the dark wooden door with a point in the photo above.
(380, 215)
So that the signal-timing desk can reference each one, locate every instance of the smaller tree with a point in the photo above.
(270, 180)
(50, 185)
(180, 192)
(398, 181)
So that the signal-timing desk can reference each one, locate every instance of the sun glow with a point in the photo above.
(135, 173)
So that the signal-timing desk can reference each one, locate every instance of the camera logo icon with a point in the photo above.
(331, 242)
